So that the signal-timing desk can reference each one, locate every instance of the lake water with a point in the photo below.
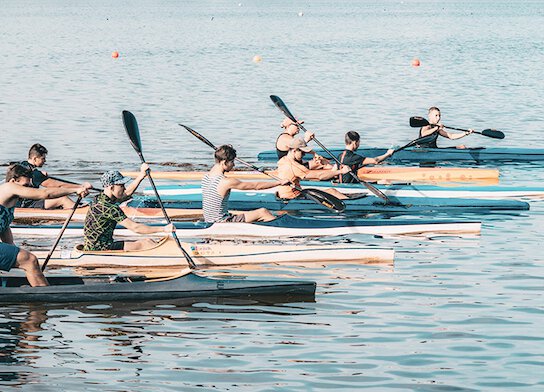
(452, 314)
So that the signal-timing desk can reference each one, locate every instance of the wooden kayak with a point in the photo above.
(285, 226)
(33, 214)
(398, 190)
(417, 154)
(166, 253)
(190, 286)
(376, 173)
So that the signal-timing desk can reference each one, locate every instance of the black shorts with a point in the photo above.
(28, 203)
(118, 245)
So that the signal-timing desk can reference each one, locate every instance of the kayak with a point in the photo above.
(245, 201)
(166, 253)
(32, 214)
(397, 190)
(285, 226)
(376, 173)
(437, 154)
(71, 289)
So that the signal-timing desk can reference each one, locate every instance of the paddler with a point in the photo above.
(216, 191)
(105, 213)
(355, 161)
(285, 138)
(436, 128)
(37, 156)
(291, 169)
(18, 185)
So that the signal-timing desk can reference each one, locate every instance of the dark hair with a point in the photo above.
(432, 108)
(37, 151)
(352, 136)
(225, 153)
(17, 171)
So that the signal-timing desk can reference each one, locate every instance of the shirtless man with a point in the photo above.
(436, 128)
(18, 186)
(37, 156)
(216, 191)
(291, 169)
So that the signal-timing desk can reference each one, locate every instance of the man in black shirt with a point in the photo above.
(36, 159)
(354, 160)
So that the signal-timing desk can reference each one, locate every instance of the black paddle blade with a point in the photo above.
(493, 133)
(281, 105)
(325, 199)
(133, 132)
(418, 122)
(198, 136)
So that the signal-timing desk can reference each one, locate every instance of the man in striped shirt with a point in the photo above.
(216, 191)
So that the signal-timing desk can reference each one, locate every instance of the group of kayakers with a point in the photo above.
(28, 186)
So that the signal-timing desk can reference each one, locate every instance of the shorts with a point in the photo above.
(8, 256)
(28, 203)
(240, 218)
(117, 245)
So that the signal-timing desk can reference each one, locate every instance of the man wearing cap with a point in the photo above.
(216, 191)
(104, 214)
(290, 168)
(285, 138)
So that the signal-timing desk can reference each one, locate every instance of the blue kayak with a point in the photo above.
(395, 190)
(252, 200)
(437, 154)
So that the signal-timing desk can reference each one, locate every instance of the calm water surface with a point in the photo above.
(452, 314)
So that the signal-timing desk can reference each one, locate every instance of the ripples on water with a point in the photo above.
(452, 314)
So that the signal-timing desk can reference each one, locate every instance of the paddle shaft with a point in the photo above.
(64, 226)
(185, 254)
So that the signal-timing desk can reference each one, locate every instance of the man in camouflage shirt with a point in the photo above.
(105, 213)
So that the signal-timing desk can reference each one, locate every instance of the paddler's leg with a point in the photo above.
(145, 243)
(259, 215)
(29, 263)
(61, 202)
(334, 192)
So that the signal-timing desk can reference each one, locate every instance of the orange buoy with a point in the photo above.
(257, 58)
(115, 54)
(416, 62)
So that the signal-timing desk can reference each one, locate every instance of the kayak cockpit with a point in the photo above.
(21, 281)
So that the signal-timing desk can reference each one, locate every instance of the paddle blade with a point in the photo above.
(493, 133)
(325, 199)
(198, 136)
(281, 105)
(133, 132)
(418, 122)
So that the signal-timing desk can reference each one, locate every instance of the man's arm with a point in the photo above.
(233, 183)
(7, 236)
(24, 192)
(136, 183)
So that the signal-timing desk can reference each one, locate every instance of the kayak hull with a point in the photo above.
(166, 254)
(437, 154)
(189, 286)
(376, 173)
(286, 226)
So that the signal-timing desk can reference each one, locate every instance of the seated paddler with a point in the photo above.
(216, 188)
(436, 128)
(105, 213)
(18, 186)
(292, 170)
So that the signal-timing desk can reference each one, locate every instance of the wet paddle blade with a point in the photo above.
(325, 199)
(418, 122)
(133, 132)
(281, 105)
(198, 136)
(493, 133)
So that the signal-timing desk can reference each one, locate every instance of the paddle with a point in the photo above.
(421, 140)
(321, 197)
(133, 133)
(281, 105)
(418, 122)
(64, 226)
